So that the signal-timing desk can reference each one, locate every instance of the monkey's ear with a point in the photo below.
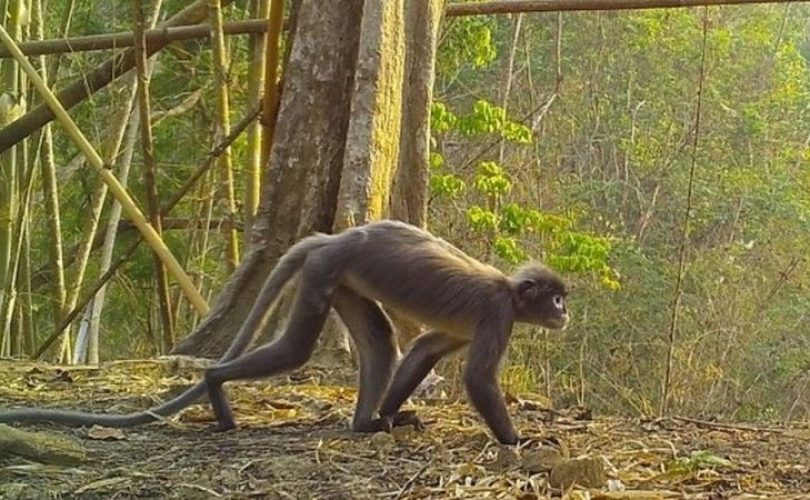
(527, 290)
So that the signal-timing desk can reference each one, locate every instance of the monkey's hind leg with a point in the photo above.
(374, 340)
(288, 352)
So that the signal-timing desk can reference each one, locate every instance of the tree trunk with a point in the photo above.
(371, 145)
(385, 172)
(410, 182)
(302, 177)
(363, 100)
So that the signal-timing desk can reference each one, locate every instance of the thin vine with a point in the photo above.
(684, 243)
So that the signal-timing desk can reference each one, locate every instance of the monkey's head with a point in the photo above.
(539, 296)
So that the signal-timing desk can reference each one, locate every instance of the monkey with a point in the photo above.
(462, 302)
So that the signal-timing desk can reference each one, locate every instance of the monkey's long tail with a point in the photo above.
(287, 266)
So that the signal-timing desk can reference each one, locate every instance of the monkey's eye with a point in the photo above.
(558, 301)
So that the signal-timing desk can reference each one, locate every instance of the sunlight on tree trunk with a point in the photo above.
(409, 188)
(372, 147)
(385, 168)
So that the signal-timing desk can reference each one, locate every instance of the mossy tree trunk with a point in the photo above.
(385, 171)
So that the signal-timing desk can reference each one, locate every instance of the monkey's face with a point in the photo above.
(543, 303)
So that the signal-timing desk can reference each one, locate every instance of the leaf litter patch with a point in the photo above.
(293, 441)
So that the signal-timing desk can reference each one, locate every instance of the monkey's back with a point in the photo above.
(419, 275)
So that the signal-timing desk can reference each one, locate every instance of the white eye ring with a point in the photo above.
(558, 301)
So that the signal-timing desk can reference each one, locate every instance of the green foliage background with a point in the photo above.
(597, 145)
(585, 166)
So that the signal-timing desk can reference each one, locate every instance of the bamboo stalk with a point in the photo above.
(271, 87)
(50, 188)
(41, 275)
(507, 85)
(10, 105)
(26, 320)
(202, 209)
(684, 244)
(110, 272)
(172, 223)
(223, 127)
(99, 293)
(256, 70)
(130, 208)
(89, 231)
(82, 251)
(149, 168)
(82, 303)
(19, 262)
(98, 198)
(64, 29)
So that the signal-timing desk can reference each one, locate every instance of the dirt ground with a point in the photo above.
(293, 442)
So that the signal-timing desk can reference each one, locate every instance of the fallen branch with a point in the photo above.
(734, 427)
(40, 446)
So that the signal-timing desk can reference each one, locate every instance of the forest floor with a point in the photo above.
(293, 442)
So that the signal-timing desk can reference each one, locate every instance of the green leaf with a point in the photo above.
(481, 220)
(490, 180)
(446, 185)
(509, 250)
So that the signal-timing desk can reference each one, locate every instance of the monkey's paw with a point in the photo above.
(407, 417)
(388, 422)
(223, 426)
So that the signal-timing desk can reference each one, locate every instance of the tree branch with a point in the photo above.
(513, 6)
(124, 39)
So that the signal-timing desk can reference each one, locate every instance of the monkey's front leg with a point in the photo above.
(426, 351)
(480, 376)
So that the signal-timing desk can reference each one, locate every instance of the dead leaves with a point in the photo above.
(293, 441)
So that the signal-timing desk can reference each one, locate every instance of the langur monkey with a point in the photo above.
(422, 277)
